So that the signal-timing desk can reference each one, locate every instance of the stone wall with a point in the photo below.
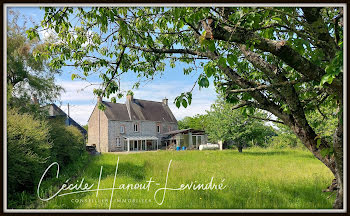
(146, 128)
(98, 130)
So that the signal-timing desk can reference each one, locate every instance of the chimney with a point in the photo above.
(35, 99)
(99, 99)
(165, 101)
(129, 96)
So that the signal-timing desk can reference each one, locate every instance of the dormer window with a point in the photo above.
(122, 129)
(136, 127)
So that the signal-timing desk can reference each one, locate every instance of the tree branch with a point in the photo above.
(242, 104)
(262, 87)
(336, 27)
(165, 50)
(265, 119)
(320, 31)
(277, 48)
(115, 70)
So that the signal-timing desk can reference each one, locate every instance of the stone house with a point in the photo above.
(137, 125)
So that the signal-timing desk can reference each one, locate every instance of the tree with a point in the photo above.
(284, 60)
(229, 125)
(197, 122)
(27, 76)
(86, 127)
(285, 138)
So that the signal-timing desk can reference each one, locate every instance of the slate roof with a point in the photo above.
(185, 131)
(55, 111)
(137, 109)
(116, 111)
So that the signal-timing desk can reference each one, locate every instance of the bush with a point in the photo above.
(285, 140)
(32, 145)
(28, 151)
(68, 142)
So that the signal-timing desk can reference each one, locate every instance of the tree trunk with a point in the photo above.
(334, 163)
(240, 147)
(338, 155)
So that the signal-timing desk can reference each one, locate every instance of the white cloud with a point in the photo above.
(47, 33)
(77, 91)
(80, 113)
(82, 100)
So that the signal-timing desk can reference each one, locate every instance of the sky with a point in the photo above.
(79, 94)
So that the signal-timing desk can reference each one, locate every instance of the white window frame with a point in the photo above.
(118, 142)
(158, 128)
(137, 127)
(122, 129)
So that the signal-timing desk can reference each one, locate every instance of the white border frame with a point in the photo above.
(5, 7)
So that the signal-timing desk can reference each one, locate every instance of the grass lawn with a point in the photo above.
(254, 179)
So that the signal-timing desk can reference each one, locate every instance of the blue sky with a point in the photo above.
(82, 101)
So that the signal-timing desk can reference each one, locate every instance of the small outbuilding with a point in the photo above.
(189, 138)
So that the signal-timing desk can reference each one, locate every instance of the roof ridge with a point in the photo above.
(113, 103)
(148, 100)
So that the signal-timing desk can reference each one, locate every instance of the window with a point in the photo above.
(158, 128)
(122, 128)
(136, 127)
(169, 128)
(118, 142)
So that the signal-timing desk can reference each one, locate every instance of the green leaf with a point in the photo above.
(318, 143)
(120, 95)
(324, 152)
(279, 20)
(184, 103)
(327, 78)
(204, 82)
(222, 62)
(209, 70)
(178, 103)
(244, 111)
(189, 97)
(232, 59)
(211, 46)
(74, 76)
(101, 106)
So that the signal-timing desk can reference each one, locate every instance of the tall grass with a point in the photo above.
(254, 179)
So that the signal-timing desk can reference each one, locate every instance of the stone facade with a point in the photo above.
(146, 128)
(98, 127)
(104, 127)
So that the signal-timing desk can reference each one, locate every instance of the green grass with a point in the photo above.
(254, 179)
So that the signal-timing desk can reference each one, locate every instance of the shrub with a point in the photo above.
(285, 140)
(68, 142)
(33, 144)
(28, 150)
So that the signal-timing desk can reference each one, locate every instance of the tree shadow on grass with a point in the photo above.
(279, 153)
